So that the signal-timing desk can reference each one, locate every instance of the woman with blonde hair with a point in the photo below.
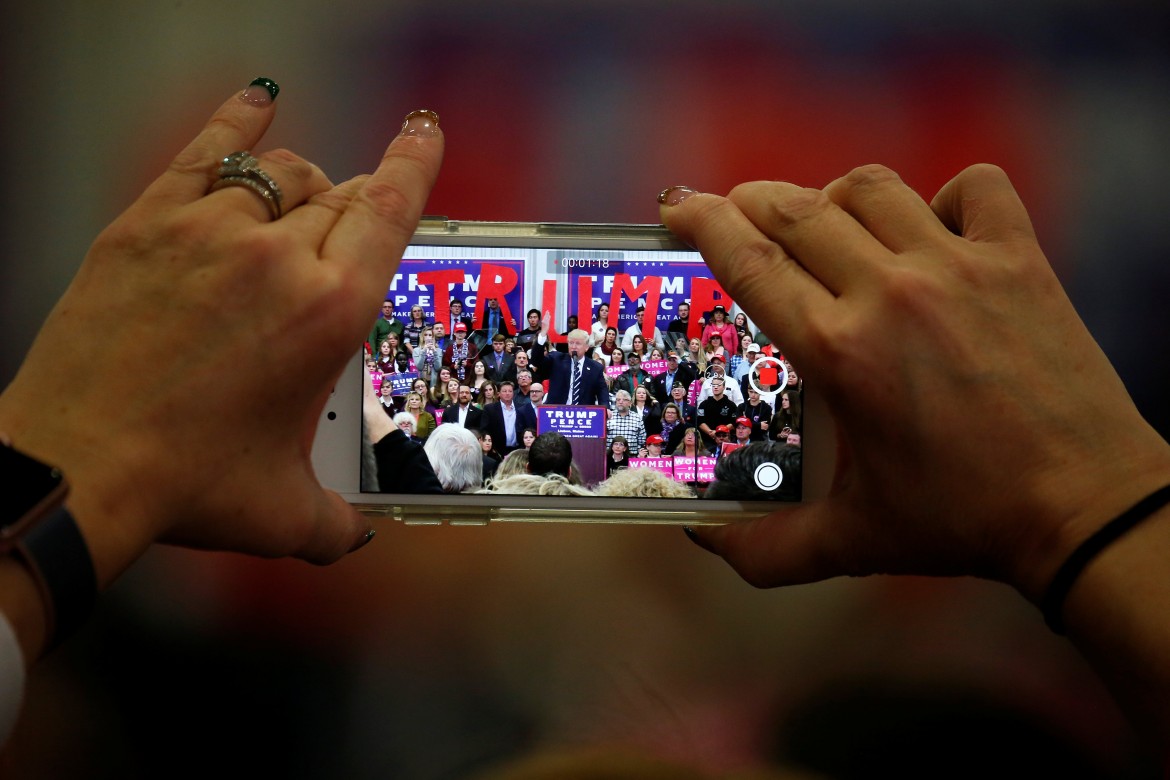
(424, 421)
(695, 355)
(643, 483)
(449, 393)
(428, 358)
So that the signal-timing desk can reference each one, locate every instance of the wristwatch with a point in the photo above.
(36, 528)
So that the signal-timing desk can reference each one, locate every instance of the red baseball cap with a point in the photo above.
(717, 357)
(723, 429)
(743, 421)
(654, 438)
(460, 327)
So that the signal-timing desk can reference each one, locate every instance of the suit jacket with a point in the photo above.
(558, 367)
(492, 424)
(474, 415)
(506, 369)
(403, 466)
(503, 327)
(465, 319)
(684, 374)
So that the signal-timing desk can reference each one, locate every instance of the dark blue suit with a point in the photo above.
(492, 423)
(558, 367)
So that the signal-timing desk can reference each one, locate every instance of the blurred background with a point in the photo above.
(438, 652)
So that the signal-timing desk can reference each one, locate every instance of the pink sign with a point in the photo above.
(684, 468)
(694, 390)
(665, 465)
(705, 466)
(615, 371)
(654, 367)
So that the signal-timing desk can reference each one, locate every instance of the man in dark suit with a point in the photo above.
(493, 320)
(504, 417)
(463, 412)
(559, 368)
(662, 384)
(500, 365)
(457, 317)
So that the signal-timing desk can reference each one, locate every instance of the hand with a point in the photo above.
(186, 315)
(957, 372)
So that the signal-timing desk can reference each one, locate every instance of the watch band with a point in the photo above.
(56, 553)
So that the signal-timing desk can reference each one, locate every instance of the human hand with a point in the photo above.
(185, 318)
(957, 372)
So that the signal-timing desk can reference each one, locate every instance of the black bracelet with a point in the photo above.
(1053, 602)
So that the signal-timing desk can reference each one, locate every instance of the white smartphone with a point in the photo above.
(493, 329)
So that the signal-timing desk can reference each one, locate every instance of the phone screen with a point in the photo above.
(582, 357)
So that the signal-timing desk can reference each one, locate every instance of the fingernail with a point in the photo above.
(261, 92)
(672, 196)
(422, 123)
(694, 537)
(363, 541)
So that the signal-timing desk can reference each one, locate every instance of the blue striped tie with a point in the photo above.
(575, 393)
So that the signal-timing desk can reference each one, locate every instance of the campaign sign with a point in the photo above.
(572, 422)
(400, 383)
(705, 466)
(612, 372)
(684, 468)
(654, 367)
(665, 465)
(693, 392)
(438, 413)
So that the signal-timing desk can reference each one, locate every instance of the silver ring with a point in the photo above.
(241, 169)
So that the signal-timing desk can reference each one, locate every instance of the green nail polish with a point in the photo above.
(268, 84)
(261, 92)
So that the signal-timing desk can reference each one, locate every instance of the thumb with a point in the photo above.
(788, 547)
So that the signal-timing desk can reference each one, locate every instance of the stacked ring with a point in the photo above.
(241, 169)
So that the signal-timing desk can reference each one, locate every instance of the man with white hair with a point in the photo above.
(573, 377)
(456, 457)
(624, 422)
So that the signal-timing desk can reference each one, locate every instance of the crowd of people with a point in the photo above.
(666, 396)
